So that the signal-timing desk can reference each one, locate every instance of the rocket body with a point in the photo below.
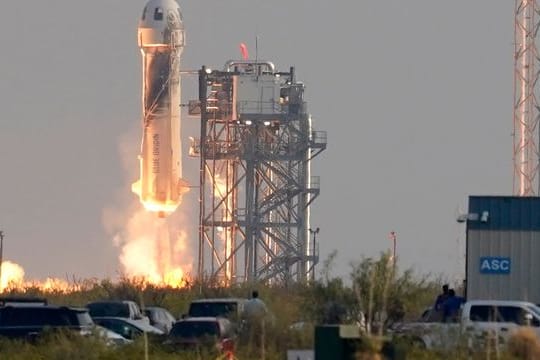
(161, 40)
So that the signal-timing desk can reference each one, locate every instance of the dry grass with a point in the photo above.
(524, 344)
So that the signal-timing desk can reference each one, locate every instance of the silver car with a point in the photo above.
(160, 318)
(128, 328)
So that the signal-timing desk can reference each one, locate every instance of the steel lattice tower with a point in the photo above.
(526, 111)
(256, 189)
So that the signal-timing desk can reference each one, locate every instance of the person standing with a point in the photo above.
(255, 309)
(441, 298)
(451, 306)
(255, 313)
(436, 313)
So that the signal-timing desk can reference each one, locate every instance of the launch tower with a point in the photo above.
(256, 146)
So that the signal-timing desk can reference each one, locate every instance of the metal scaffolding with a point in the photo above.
(256, 146)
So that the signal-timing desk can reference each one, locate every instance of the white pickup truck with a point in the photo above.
(478, 320)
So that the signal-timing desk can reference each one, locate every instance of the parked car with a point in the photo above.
(29, 320)
(160, 318)
(128, 328)
(22, 300)
(121, 309)
(230, 308)
(110, 337)
(213, 332)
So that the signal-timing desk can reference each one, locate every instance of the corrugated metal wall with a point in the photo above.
(523, 280)
(505, 213)
(511, 230)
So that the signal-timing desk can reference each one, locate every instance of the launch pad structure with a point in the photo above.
(256, 146)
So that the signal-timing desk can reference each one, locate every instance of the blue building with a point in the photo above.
(503, 248)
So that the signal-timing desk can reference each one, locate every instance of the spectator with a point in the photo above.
(255, 313)
(441, 298)
(451, 306)
(255, 309)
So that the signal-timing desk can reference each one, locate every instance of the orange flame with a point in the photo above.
(12, 276)
(56, 285)
(165, 208)
(13, 279)
(153, 250)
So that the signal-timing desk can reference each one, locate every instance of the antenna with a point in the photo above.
(526, 114)
(256, 48)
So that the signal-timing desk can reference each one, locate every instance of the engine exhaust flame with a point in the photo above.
(154, 250)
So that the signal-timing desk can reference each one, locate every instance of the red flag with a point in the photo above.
(244, 51)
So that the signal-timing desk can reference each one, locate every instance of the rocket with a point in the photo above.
(161, 40)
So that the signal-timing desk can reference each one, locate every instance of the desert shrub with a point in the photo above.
(386, 295)
(524, 344)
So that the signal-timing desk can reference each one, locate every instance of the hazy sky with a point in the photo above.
(416, 97)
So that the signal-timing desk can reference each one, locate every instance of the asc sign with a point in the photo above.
(495, 265)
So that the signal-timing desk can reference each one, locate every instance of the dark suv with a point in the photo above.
(27, 321)
(210, 332)
(230, 308)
